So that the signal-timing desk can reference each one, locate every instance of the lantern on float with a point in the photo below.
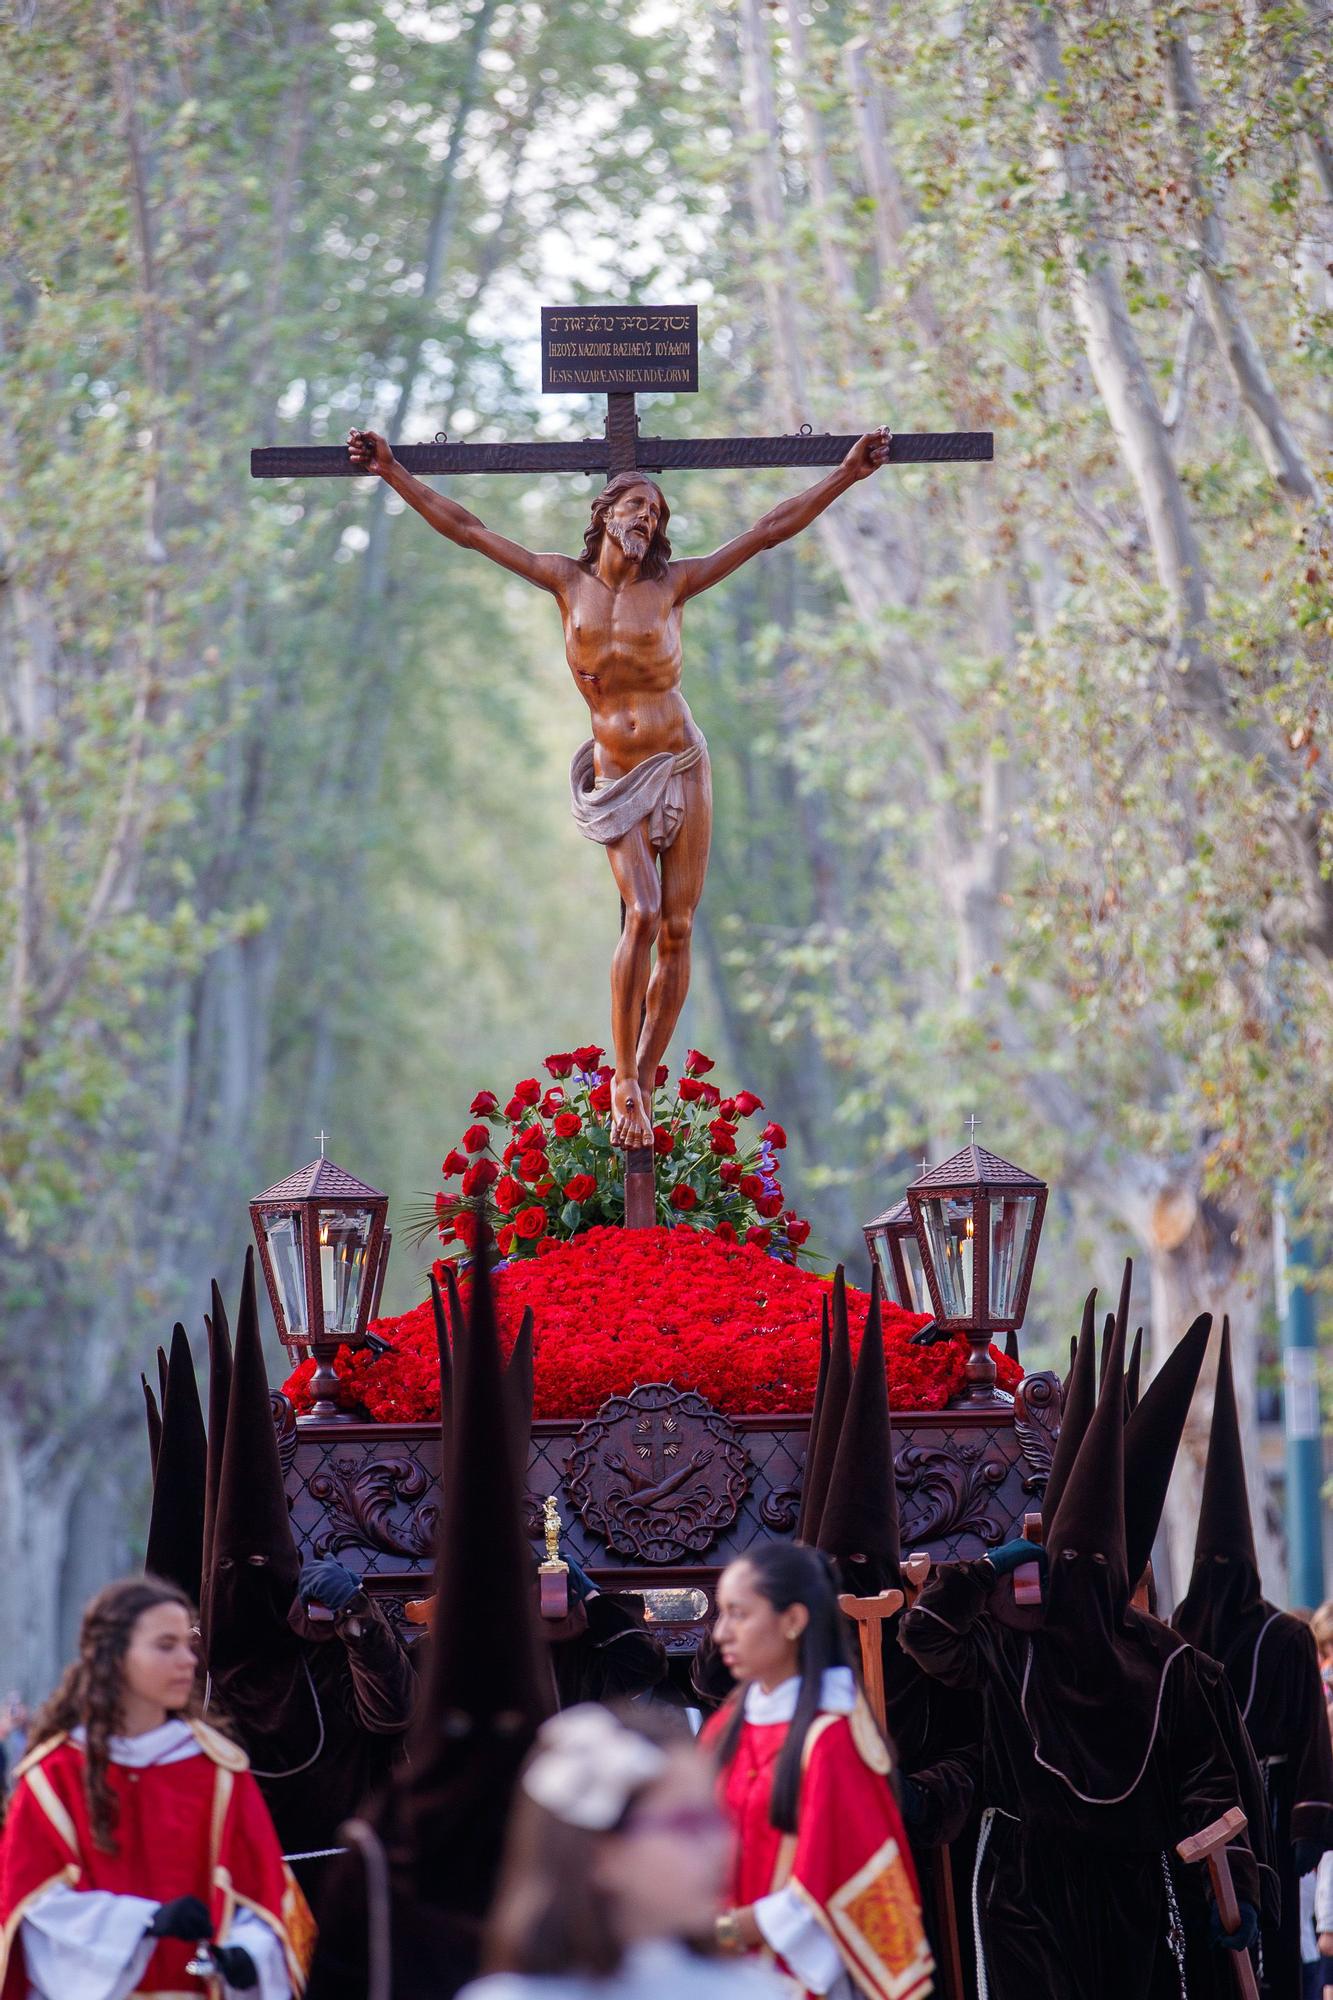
(323, 1246)
(896, 1255)
(977, 1221)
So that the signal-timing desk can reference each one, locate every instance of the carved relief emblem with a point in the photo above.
(658, 1474)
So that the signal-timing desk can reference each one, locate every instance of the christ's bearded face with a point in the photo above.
(633, 521)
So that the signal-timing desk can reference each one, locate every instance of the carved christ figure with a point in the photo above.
(641, 785)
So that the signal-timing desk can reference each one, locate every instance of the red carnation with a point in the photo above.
(759, 1239)
(528, 1091)
(769, 1206)
(729, 1173)
(697, 1065)
(567, 1124)
(684, 1198)
(508, 1194)
(454, 1164)
(747, 1103)
(530, 1223)
(751, 1186)
(797, 1231)
(483, 1103)
(588, 1058)
(580, 1186)
(661, 1076)
(559, 1065)
(476, 1139)
(664, 1140)
(479, 1176)
(532, 1166)
(774, 1135)
(689, 1090)
(599, 1098)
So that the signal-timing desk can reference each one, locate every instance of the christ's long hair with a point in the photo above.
(654, 564)
(788, 1573)
(91, 1690)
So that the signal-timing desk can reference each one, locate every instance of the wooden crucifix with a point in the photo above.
(641, 786)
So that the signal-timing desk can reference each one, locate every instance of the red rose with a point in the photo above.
(689, 1091)
(580, 1186)
(479, 1176)
(751, 1186)
(599, 1098)
(532, 1166)
(664, 1140)
(711, 1095)
(727, 1108)
(446, 1232)
(660, 1078)
(514, 1109)
(797, 1231)
(544, 1185)
(726, 1232)
(723, 1136)
(508, 1194)
(528, 1091)
(684, 1198)
(506, 1242)
(483, 1103)
(530, 1223)
(588, 1058)
(532, 1139)
(465, 1227)
(552, 1100)
(769, 1206)
(511, 1152)
(567, 1124)
(774, 1135)
(697, 1065)
(747, 1103)
(476, 1139)
(605, 1074)
(729, 1173)
(559, 1065)
(759, 1238)
(454, 1164)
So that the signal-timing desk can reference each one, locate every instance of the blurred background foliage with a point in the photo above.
(1022, 772)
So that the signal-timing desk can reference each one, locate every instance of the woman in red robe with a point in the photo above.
(137, 1855)
(822, 1878)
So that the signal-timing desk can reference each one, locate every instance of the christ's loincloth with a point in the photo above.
(606, 808)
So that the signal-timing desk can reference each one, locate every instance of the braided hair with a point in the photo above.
(91, 1689)
(654, 564)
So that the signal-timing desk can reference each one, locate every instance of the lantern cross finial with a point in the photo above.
(972, 1124)
(323, 1140)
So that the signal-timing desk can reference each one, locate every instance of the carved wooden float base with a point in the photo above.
(659, 1491)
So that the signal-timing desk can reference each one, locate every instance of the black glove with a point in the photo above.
(237, 1967)
(186, 1918)
(1012, 1555)
(328, 1583)
(912, 1803)
(1306, 1854)
(1243, 1936)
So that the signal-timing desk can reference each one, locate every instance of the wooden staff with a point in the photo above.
(870, 1614)
(1211, 1846)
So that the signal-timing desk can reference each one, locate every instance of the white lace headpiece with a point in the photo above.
(586, 1767)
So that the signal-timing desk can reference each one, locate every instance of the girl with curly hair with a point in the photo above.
(137, 1855)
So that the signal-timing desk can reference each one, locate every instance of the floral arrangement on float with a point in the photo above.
(714, 1298)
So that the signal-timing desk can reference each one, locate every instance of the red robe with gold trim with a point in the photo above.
(848, 1859)
(195, 1827)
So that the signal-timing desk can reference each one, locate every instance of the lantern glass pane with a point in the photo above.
(1011, 1218)
(284, 1248)
(918, 1291)
(344, 1237)
(949, 1232)
(884, 1264)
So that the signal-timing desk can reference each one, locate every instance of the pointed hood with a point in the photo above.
(484, 1688)
(1225, 1598)
(154, 1417)
(445, 1351)
(176, 1524)
(837, 1388)
(820, 1382)
(254, 1565)
(1152, 1439)
(162, 1377)
(219, 1392)
(859, 1523)
(1120, 1319)
(1088, 1521)
(1134, 1371)
(518, 1392)
(1076, 1412)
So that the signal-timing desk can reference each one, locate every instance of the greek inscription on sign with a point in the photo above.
(605, 350)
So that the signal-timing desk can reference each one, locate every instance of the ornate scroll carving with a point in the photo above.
(780, 1509)
(1038, 1402)
(360, 1498)
(951, 1490)
(658, 1474)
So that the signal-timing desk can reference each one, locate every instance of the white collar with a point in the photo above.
(837, 1696)
(170, 1743)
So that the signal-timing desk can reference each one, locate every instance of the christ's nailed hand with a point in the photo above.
(369, 452)
(869, 453)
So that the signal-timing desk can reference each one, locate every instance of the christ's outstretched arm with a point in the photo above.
(788, 518)
(369, 451)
